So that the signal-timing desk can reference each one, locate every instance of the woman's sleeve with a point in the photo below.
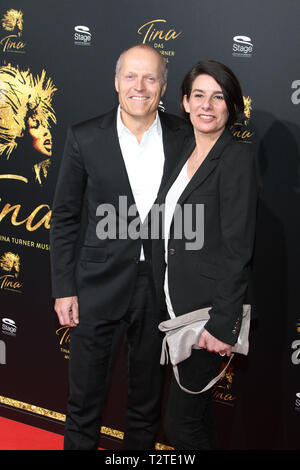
(238, 201)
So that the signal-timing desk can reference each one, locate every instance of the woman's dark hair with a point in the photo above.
(225, 78)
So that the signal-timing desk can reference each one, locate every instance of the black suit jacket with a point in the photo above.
(100, 272)
(217, 273)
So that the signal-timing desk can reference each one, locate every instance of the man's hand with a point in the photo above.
(212, 344)
(67, 311)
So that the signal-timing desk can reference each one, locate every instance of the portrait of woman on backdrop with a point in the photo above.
(25, 115)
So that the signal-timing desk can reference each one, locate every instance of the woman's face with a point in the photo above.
(206, 106)
(42, 139)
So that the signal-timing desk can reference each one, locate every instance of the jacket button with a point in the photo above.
(171, 251)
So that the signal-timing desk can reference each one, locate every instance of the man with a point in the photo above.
(129, 153)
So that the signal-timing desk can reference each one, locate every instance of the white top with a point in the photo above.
(144, 164)
(171, 200)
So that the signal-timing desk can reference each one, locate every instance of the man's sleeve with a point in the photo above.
(66, 218)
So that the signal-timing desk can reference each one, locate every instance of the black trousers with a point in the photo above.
(91, 350)
(189, 419)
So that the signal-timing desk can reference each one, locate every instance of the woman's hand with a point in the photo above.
(214, 345)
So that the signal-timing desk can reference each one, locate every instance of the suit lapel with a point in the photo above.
(209, 164)
(108, 124)
(169, 144)
(188, 147)
(172, 143)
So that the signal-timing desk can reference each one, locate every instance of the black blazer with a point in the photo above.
(100, 272)
(217, 274)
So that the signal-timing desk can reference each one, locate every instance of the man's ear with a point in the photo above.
(116, 83)
(164, 87)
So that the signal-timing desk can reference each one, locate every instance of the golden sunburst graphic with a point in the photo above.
(298, 326)
(10, 262)
(25, 104)
(12, 21)
(248, 107)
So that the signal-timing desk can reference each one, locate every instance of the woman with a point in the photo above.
(25, 115)
(218, 173)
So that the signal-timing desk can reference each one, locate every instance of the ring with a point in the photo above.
(222, 354)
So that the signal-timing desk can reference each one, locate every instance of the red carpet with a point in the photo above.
(18, 436)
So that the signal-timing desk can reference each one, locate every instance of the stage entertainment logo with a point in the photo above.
(242, 46)
(82, 36)
(295, 97)
(158, 34)
(9, 327)
(297, 402)
(11, 33)
(10, 272)
(64, 335)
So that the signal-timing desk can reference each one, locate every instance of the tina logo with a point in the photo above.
(10, 272)
(64, 334)
(156, 30)
(222, 391)
(158, 34)
(12, 30)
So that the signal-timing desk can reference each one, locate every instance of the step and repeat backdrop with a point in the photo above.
(57, 63)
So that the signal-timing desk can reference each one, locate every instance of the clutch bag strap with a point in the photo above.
(209, 385)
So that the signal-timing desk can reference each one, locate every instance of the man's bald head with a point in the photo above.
(146, 47)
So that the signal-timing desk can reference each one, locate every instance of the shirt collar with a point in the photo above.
(155, 126)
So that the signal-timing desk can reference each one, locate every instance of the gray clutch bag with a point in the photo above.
(182, 335)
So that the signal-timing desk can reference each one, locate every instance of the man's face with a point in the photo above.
(139, 84)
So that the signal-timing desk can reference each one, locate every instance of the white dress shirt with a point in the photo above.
(171, 200)
(144, 163)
